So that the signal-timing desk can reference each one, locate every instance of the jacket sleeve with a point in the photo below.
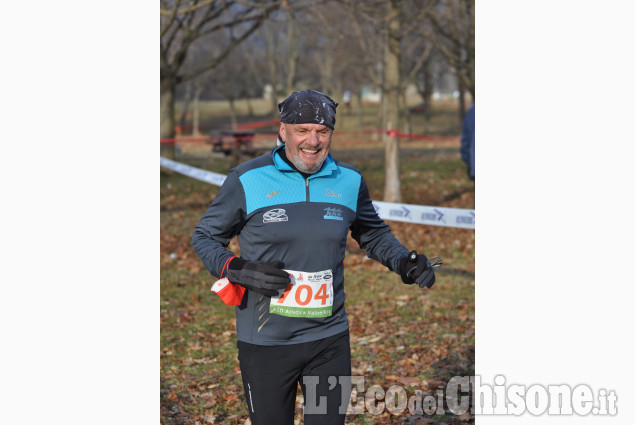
(374, 235)
(465, 140)
(223, 220)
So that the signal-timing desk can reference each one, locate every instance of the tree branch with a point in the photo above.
(415, 22)
(417, 66)
(228, 48)
(172, 15)
(187, 9)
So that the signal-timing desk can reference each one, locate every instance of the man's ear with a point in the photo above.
(281, 132)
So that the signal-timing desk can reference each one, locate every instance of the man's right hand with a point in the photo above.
(266, 278)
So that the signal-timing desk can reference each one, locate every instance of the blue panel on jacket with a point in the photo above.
(341, 187)
(264, 187)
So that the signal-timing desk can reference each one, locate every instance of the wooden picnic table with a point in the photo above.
(235, 143)
(241, 140)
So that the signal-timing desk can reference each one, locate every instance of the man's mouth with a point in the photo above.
(307, 151)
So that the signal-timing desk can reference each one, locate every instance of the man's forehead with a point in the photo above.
(318, 127)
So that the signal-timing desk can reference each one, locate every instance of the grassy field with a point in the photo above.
(355, 128)
(399, 334)
(215, 114)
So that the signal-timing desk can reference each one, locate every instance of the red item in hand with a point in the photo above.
(230, 293)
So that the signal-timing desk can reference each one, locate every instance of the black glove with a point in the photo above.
(416, 268)
(266, 278)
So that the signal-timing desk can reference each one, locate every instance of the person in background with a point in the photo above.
(292, 210)
(467, 141)
(347, 98)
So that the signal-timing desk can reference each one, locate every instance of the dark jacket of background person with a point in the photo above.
(467, 142)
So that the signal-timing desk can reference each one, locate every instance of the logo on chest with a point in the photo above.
(333, 214)
(272, 216)
(329, 192)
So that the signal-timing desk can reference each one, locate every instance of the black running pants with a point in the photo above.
(271, 375)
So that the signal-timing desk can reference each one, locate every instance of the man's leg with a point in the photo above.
(328, 360)
(270, 378)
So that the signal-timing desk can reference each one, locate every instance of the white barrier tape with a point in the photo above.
(196, 173)
(408, 213)
(421, 214)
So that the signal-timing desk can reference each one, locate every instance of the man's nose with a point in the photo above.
(313, 138)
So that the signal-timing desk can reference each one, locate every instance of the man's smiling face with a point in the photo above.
(306, 145)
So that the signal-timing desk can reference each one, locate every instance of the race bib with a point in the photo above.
(308, 295)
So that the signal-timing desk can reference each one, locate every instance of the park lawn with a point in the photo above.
(215, 114)
(400, 334)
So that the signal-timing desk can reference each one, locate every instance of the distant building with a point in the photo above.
(371, 94)
(267, 92)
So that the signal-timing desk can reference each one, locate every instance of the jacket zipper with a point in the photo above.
(307, 191)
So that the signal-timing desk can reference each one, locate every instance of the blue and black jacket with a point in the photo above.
(279, 215)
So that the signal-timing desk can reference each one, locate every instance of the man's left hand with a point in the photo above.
(416, 268)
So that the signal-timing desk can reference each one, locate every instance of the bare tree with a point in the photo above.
(271, 41)
(390, 104)
(230, 79)
(453, 21)
(418, 56)
(393, 20)
(185, 23)
(292, 50)
(196, 107)
(428, 77)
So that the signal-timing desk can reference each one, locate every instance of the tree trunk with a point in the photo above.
(427, 96)
(360, 110)
(167, 117)
(327, 85)
(407, 121)
(293, 51)
(268, 31)
(250, 108)
(392, 188)
(232, 112)
(461, 101)
(275, 112)
(196, 107)
(186, 104)
(380, 120)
